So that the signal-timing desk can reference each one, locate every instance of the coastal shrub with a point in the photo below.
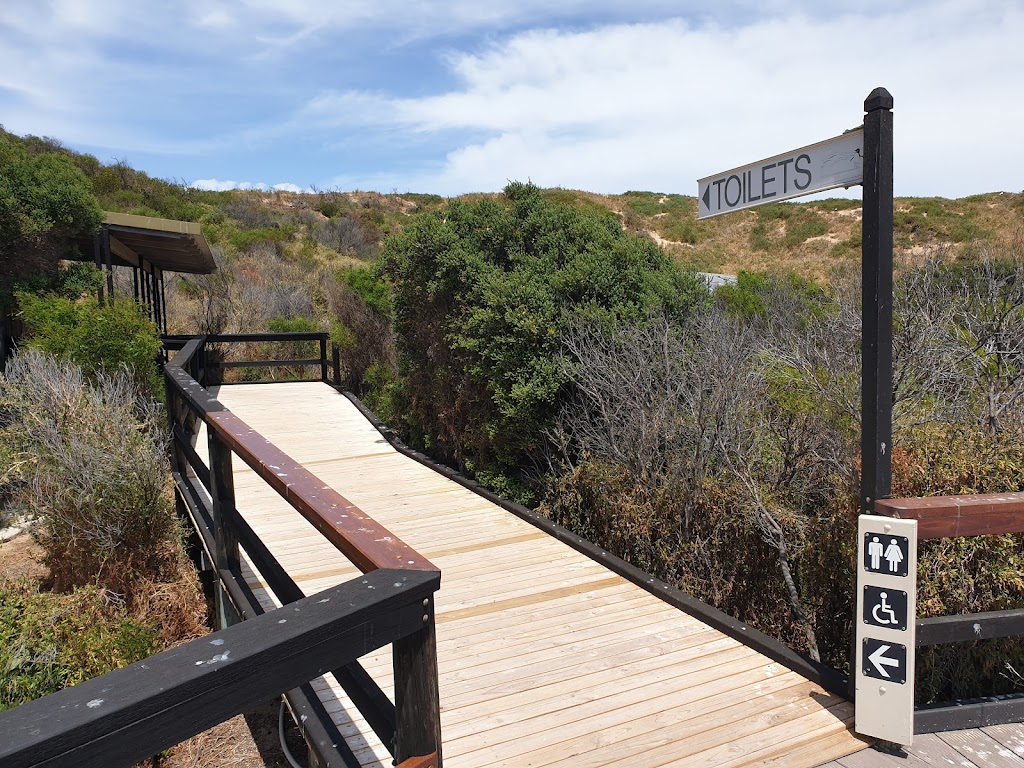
(50, 641)
(100, 339)
(483, 293)
(95, 472)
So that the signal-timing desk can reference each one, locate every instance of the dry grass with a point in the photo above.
(245, 741)
(21, 558)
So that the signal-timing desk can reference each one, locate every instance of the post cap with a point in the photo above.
(878, 99)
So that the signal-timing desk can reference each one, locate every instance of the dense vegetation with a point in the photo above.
(483, 296)
(82, 448)
(741, 435)
(556, 345)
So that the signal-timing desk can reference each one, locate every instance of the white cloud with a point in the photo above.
(660, 105)
(577, 93)
(216, 185)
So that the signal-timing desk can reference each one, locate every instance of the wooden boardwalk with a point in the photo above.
(545, 656)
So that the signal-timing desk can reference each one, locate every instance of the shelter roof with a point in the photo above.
(169, 245)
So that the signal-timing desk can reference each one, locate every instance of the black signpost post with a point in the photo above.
(886, 569)
(876, 341)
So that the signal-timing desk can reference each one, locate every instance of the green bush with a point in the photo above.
(369, 286)
(483, 293)
(98, 338)
(50, 641)
(800, 223)
(245, 240)
(46, 205)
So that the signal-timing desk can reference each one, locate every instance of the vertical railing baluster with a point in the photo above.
(323, 359)
(222, 489)
(336, 361)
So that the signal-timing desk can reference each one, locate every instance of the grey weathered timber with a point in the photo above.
(999, 746)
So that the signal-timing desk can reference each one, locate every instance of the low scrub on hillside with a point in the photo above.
(721, 451)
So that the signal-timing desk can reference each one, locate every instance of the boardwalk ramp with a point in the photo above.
(546, 657)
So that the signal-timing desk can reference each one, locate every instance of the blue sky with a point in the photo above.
(464, 95)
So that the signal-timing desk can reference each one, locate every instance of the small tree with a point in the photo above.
(46, 204)
(97, 338)
(483, 295)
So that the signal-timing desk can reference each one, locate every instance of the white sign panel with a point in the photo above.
(886, 612)
(836, 162)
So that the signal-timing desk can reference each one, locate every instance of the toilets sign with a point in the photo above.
(835, 162)
(886, 609)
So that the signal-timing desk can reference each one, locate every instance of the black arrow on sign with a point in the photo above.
(707, 197)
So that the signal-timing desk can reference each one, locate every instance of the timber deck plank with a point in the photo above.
(545, 657)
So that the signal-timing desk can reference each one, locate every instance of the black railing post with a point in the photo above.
(323, 359)
(336, 362)
(222, 489)
(417, 700)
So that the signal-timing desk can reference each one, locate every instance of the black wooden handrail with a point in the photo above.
(127, 715)
(330, 366)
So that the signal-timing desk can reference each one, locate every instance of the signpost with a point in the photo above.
(886, 582)
(835, 162)
(886, 608)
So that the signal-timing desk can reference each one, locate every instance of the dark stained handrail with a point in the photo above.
(942, 517)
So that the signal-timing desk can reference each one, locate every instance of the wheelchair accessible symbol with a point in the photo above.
(885, 608)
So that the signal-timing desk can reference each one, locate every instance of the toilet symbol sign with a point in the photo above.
(885, 553)
(885, 608)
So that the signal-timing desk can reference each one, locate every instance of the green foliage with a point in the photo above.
(848, 247)
(295, 324)
(385, 394)
(342, 336)
(245, 240)
(72, 280)
(752, 293)
(370, 287)
(933, 218)
(46, 205)
(328, 208)
(674, 217)
(98, 338)
(483, 293)
(51, 641)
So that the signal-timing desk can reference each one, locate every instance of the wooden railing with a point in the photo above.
(409, 727)
(330, 366)
(942, 517)
(140, 710)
